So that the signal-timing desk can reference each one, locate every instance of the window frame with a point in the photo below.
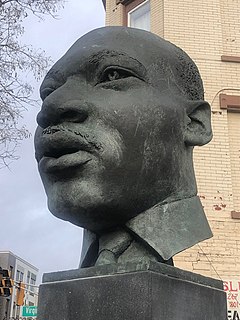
(231, 103)
(136, 8)
(129, 6)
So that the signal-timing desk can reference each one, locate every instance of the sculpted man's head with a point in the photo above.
(122, 110)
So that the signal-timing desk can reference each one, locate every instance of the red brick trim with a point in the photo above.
(229, 102)
(230, 58)
(235, 214)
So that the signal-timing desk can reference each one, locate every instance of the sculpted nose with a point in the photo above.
(73, 111)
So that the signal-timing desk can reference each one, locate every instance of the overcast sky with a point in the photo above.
(27, 227)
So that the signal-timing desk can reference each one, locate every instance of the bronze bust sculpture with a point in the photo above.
(122, 111)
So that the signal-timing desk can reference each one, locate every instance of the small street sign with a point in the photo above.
(29, 311)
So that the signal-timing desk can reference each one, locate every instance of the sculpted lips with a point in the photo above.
(60, 148)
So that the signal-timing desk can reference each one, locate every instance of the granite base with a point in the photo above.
(151, 291)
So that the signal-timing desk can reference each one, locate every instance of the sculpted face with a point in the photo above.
(113, 137)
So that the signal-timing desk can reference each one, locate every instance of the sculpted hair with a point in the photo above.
(188, 76)
(184, 73)
(178, 67)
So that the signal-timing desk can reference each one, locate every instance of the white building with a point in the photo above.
(23, 271)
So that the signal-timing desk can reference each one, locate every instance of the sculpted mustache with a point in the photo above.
(59, 128)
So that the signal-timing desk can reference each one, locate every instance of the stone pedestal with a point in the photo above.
(151, 291)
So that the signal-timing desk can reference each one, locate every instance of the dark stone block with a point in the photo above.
(145, 292)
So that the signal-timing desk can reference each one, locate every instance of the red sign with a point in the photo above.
(232, 289)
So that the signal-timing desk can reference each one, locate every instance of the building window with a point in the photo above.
(19, 275)
(231, 103)
(136, 13)
(11, 271)
(139, 17)
(32, 281)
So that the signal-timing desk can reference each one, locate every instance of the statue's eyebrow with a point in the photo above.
(104, 58)
(93, 66)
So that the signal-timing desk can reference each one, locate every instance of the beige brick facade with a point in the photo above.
(207, 30)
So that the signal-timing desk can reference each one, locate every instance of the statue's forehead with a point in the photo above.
(133, 50)
(139, 45)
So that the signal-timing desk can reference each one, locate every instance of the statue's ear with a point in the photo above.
(198, 130)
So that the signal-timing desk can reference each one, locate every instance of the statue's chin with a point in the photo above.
(94, 219)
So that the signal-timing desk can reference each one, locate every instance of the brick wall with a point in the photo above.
(234, 143)
(202, 28)
(114, 13)
(157, 17)
(206, 30)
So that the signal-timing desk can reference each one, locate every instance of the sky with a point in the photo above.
(28, 229)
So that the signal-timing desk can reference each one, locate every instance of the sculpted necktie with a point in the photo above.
(112, 245)
(120, 247)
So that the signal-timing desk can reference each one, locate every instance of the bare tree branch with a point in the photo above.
(15, 59)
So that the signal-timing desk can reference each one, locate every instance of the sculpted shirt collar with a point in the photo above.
(167, 228)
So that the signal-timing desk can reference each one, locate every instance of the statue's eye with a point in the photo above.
(111, 74)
